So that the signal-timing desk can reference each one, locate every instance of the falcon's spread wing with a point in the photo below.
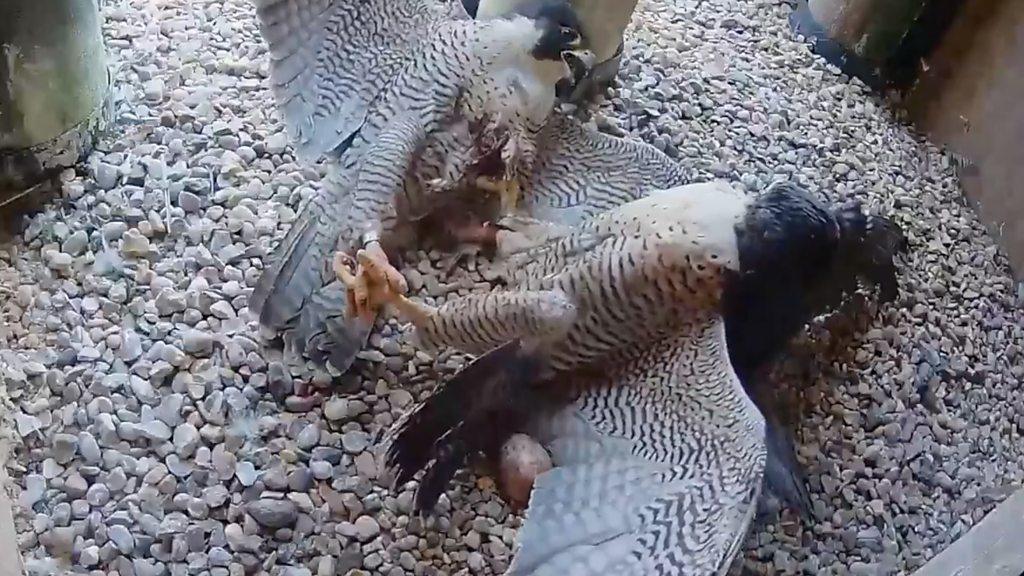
(298, 294)
(331, 59)
(580, 172)
(658, 467)
(337, 71)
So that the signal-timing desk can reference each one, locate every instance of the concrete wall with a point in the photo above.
(972, 99)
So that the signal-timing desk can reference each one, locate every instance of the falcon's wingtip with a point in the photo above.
(475, 410)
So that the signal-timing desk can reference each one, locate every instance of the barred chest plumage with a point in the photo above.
(491, 131)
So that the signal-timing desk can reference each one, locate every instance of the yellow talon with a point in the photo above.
(374, 285)
(370, 281)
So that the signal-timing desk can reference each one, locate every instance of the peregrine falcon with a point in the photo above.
(408, 100)
(611, 346)
(604, 25)
(581, 173)
(590, 303)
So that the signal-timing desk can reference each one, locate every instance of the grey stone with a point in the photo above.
(197, 342)
(64, 448)
(75, 486)
(35, 488)
(246, 473)
(156, 430)
(189, 202)
(106, 175)
(144, 391)
(276, 143)
(90, 556)
(76, 243)
(239, 541)
(366, 528)
(308, 437)
(186, 439)
(89, 448)
(355, 441)
(134, 244)
(97, 495)
(121, 538)
(273, 513)
(321, 469)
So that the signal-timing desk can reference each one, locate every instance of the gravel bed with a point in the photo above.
(155, 433)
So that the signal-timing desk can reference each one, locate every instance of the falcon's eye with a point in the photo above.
(568, 32)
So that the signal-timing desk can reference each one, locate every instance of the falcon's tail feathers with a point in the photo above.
(325, 334)
(784, 475)
(476, 410)
(294, 298)
(294, 274)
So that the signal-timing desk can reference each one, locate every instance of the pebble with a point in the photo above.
(276, 143)
(246, 473)
(157, 431)
(161, 435)
(197, 343)
(64, 448)
(189, 202)
(97, 495)
(106, 175)
(355, 441)
(336, 409)
(186, 439)
(76, 243)
(309, 437)
(366, 528)
(134, 244)
(273, 513)
(89, 448)
(35, 489)
(122, 538)
(90, 556)
(216, 496)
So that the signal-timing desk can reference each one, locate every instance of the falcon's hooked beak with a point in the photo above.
(580, 62)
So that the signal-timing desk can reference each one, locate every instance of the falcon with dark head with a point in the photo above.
(604, 25)
(612, 345)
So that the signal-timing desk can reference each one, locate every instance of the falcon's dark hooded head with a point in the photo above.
(561, 29)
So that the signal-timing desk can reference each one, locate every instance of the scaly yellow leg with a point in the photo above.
(378, 284)
(415, 312)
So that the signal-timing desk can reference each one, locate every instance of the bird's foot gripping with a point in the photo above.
(371, 283)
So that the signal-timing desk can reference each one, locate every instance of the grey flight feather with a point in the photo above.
(331, 59)
(660, 454)
(297, 293)
(580, 172)
(658, 468)
(380, 86)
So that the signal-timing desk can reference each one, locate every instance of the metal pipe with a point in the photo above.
(879, 41)
(54, 86)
